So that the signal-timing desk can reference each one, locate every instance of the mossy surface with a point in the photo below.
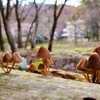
(20, 85)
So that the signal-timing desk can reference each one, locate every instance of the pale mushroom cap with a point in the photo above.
(94, 61)
(43, 52)
(41, 67)
(16, 57)
(7, 58)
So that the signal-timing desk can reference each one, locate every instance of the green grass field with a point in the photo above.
(62, 46)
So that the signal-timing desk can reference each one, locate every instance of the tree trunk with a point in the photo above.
(1, 38)
(9, 34)
(33, 42)
(20, 45)
(7, 29)
(52, 35)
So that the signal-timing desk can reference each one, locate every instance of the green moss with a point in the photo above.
(37, 63)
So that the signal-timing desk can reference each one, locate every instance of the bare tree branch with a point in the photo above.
(61, 8)
(34, 20)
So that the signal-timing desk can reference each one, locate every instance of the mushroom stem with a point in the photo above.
(48, 71)
(12, 67)
(86, 76)
(43, 72)
(2, 68)
(94, 77)
(7, 67)
(98, 75)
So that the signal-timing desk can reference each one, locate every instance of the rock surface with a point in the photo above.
(19, 85)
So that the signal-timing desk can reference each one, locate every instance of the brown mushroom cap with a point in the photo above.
(47, 62)
(7, 58)
(97, 50)
(79, 65)
(32, 67)
(83, 65)
(94, 61)
(43, 52)
(16, 57)
(41, 67)
(27, 68)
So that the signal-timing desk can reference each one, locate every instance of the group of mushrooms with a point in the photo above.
(45, 56)
(91, 66)
(9, 59)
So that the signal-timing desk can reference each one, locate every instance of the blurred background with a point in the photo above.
(63, 26)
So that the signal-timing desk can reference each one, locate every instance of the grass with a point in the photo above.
(81, 47)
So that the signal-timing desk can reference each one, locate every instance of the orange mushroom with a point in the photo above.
(97, 50)
(16, 58)
(42, 69)
(82, 66)
(1, 64)
(47, 62)
(94, 63)
(7, 59)
(31, 68)
(44, 53)
(90, 67)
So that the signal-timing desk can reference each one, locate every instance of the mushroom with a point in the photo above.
(87, 72)
(31, 67)
(82, 66)
(7, 59)
(1, 64)
(16, 58)
(41, 67)
(94, 63)
(47, 62)
(97, 50)
(44, 53)
(90, 67)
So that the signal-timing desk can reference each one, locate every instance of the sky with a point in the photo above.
(69, 2)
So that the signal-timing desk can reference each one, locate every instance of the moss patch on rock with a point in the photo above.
(19, 85)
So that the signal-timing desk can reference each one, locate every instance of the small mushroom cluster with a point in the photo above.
(45, 55)
(8, 59)
(91, 66)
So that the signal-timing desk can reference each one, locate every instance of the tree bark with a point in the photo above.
(1, 38)
(35, 20)
(55, 17)
(7, 30)
(20, 45)
(52, 35)
(33, 42)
